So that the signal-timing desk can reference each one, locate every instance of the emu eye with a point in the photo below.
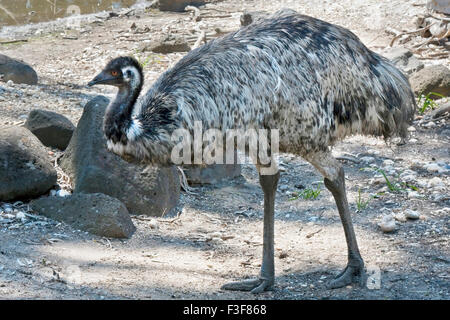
(114, 73)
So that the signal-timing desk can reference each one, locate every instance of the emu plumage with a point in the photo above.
(313, 81)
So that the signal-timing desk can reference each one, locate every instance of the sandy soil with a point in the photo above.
(217, 236)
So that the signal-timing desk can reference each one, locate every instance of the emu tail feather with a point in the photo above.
(398, 102)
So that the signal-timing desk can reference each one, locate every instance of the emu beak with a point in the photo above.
(99, 79)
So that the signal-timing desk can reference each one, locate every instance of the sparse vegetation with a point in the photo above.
(395, 186)
(426, 103)
(360, 203)
(392, 186)
(143, 61)
(307, 194)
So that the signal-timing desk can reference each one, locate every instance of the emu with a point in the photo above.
(313, 81)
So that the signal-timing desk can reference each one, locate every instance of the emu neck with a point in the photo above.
(119, 112)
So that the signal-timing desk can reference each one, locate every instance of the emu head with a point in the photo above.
(120, 72)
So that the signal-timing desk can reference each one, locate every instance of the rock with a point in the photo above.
(17, 71)
(388, 163)
(435, 168)
(199, 174)
(167, 44)
(248, 18)
(93, 169)
(52, 129)
(403, 59)
(26, 170)
(95, 213)
(400, 217)
(411, 214)
(368, 159)
(414, 195)
(178, 5)
(431, 79)
(441, 6)
(388, 224)
(435, 182)
(430, 124)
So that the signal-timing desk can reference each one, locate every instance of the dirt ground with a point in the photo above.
(217, 236)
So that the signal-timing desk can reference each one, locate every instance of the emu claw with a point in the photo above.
(349, 275)
(253, 285)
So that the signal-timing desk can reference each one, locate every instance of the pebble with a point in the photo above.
(413, 140)
(430, 124)
(411, 129)
(414, 195)
(63, 193)
(368, 159)
(434, 167)
(435, 182)
(400, 217)
(153, 224)
(411, 214)
(387, 224)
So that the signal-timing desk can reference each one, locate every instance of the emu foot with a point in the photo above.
(252, 285)
(351, 274)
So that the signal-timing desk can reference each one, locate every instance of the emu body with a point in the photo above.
(314, 82)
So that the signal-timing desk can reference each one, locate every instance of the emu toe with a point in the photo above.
(350, 275)
(253, 285)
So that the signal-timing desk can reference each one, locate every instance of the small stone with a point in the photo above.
(20, 215)
(388, 163)
(62, 193)
(435, 182)
(411, 129)
(413, 195)
(400, 217)
(411, 214)
(413, 140)
(368, 159)
(435, 168)
(387, 224)
(153, 224)
(430, 124)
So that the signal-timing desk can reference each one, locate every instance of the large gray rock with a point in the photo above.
(178, 5)
(248, 17)
(52, 129)
(431, 79)
(404, 59)
(167, 44)
(92, 168)
(198, 174)
(442, 6)
(95, 213)
(25, 168)
(17, 71)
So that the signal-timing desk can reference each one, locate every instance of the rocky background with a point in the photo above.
(76, 221)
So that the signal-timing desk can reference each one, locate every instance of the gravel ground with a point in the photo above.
(217, 236)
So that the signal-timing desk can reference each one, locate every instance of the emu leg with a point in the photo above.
(354, 272)
(267, 276)
(334, 179)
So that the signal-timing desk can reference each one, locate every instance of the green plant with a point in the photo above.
(307, 194)
(360, 203)
(425, 102)
(145, 61)
(392, 186)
